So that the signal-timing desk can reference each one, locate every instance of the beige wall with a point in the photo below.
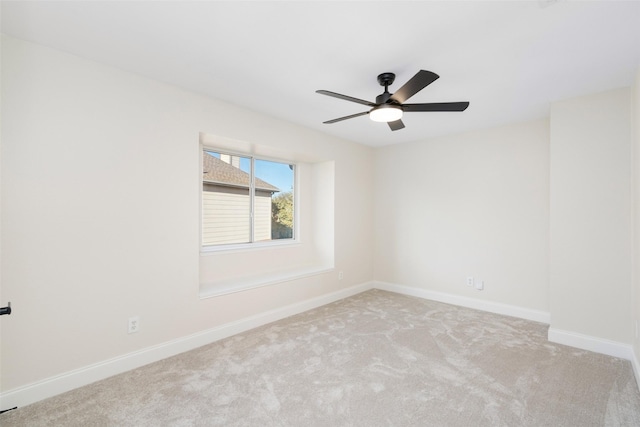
(100, 214)
(100, 220)
(474, 204)
(591, 222)
(636, 223)
(541, 211)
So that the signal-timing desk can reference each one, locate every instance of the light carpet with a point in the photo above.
(375, 359)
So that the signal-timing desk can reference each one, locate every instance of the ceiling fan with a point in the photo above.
(390, 106)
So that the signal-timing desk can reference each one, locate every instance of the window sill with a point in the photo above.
(247, 247)
(225, 287)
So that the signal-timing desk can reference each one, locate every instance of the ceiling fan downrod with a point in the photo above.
(385, 79)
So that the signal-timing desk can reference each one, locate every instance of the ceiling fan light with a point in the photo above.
(386, 113)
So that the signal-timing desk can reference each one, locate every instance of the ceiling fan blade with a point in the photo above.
(346, 98)
(436, 106)
(396, 125)
(415, 84)
(328, 122)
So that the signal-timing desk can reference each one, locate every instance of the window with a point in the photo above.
(246, 200)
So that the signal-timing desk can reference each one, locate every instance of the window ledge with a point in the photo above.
(225, 287)
(248, 247)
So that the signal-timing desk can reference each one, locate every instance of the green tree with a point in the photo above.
(282, 216)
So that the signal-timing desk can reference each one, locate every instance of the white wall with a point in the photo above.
(474, 204)
(591, 216)
(100, 220)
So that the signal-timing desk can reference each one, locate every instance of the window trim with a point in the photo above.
(250, 246)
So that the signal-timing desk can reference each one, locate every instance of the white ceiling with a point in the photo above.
(510, 59)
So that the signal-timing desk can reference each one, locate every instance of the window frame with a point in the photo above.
(252, 245)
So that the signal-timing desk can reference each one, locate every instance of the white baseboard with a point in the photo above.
(586, 342)
(52, 386)
(70, 380)
(598, 345)
(492, 307)
(636, 368)
(572, 339)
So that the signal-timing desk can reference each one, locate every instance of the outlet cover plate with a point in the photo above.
(134, 324)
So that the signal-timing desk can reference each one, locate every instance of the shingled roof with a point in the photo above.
(216, 171)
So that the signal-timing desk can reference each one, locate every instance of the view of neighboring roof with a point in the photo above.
(216, 171)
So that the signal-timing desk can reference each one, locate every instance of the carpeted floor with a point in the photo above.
(375, 359)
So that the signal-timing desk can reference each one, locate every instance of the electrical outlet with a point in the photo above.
(341, 275)
(469, 281)
(134, 324)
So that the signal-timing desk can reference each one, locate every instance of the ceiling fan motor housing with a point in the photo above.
(383, 98)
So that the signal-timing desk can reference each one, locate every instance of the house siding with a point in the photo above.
(263, 216)
(226, 215)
